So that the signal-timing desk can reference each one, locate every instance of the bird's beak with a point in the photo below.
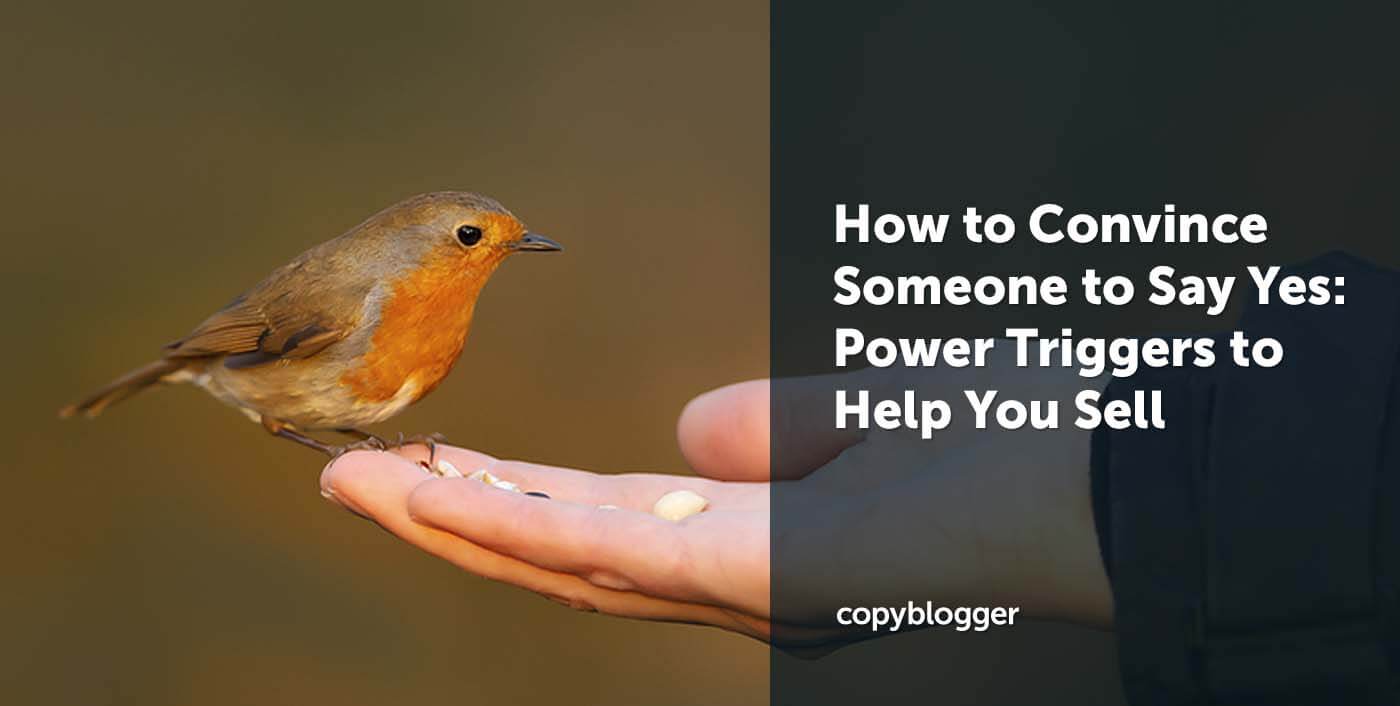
(534, 242)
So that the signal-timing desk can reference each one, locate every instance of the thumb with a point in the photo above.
(728, 433)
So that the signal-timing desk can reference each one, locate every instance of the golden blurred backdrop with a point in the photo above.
(161, 157)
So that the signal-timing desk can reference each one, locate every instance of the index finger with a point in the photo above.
(737, 432)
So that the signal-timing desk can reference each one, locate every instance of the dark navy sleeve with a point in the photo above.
(1254, 544)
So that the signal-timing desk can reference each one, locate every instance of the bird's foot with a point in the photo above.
(429, 441)
(373, 443)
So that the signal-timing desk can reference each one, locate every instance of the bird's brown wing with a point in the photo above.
(290, 315)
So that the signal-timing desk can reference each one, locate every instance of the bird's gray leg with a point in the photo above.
(283, 430)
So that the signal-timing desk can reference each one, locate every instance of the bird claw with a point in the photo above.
(430, 441)
(373, 443)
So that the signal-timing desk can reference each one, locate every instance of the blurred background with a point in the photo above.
(161, 157)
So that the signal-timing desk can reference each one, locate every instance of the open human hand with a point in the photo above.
(711, 568)
(865, 518)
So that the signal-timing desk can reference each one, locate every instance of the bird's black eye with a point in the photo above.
(469, 235)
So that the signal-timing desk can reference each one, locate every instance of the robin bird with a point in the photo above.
(353, 330)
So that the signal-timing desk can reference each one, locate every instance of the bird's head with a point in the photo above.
(455, 230)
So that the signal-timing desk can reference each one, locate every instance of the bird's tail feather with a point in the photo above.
(122, 388)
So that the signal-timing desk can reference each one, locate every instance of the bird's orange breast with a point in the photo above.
(423, 324)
